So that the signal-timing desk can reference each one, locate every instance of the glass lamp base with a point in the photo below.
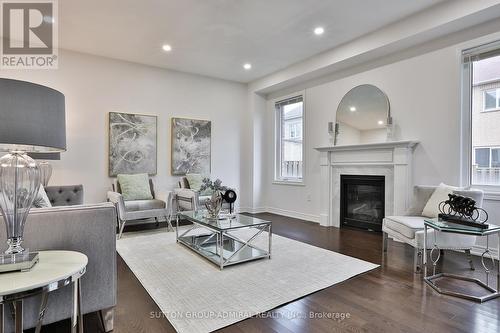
(14, 245)
(18, 262)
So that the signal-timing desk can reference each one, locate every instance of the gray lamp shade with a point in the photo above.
(32, 117)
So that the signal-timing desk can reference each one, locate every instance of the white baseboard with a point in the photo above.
(252, 210)
(293, 214)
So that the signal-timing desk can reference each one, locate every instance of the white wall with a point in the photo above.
(94, 86)
(424, 92)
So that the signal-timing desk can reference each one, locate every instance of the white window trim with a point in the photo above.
(497, 100)
(277, 136)
(492, 192)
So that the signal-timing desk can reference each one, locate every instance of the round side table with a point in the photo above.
(55, 270)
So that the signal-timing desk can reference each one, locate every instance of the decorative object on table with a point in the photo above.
(33, 120)
(230, 197)
(132, 143)
(462, 210)
(44, 166)
(190, 146)
(214, 204)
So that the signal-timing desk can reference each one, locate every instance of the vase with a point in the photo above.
(214, 205)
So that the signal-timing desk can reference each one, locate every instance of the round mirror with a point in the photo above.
(362, 116)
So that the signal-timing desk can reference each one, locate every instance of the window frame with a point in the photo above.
(466, 58)
(497, 100)
(277, 179)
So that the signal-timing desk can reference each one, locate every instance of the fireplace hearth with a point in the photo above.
(362, 201)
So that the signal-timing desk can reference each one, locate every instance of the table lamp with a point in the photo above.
(32, 119)
(44, 166)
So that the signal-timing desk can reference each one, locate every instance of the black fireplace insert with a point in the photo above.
(362, 201)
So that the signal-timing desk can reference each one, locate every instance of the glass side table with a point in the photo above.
(444, 226)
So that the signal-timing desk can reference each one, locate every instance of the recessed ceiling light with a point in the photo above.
(247, 66)
(352, 108)
(319, 31)
(380, 122)
(167, 48)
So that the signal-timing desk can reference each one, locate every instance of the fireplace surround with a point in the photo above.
(392, 160)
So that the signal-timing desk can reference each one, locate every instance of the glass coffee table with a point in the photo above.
(487, 259)
(216, 240)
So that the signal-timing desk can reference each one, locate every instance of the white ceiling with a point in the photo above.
(215, 37)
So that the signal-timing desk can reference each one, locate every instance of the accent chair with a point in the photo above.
(142, 211)
(409, 228)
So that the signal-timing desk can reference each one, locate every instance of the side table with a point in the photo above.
(55, 270)
(443, 226)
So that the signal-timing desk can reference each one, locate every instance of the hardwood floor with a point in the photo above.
(388, 299)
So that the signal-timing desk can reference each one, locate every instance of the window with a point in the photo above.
(289, 140)
(481, 134)
(491, 99)
(487, 157)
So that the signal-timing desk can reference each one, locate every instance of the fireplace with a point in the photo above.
(362, 201)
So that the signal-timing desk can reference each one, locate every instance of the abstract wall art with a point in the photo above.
(132, 143)
(191, 140)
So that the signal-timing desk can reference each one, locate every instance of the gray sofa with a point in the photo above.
(67, 195)
(89, 229)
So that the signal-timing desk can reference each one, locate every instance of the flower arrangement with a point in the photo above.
(215, 186)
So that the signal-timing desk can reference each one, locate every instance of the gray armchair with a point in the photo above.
(141, 211)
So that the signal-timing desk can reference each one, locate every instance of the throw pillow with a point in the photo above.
(195, 181)
(41, 199)
(431, 209)
(135, 187)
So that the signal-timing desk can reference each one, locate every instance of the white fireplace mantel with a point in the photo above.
(391, 159)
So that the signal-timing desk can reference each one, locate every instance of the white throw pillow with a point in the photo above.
(41, 199)
(440, 194)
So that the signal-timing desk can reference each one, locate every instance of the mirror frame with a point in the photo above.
(388, 117)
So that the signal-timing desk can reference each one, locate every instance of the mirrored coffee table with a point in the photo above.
(221, 242)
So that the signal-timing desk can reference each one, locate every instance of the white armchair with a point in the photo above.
(409, 228)
(135, 210)
(187, 198)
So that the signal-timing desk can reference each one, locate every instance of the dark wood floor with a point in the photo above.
(388, 299)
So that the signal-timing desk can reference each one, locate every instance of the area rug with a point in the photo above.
(195, 296)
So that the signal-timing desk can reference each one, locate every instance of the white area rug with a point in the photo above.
(195, 296)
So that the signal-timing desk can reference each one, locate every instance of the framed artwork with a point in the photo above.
(191, 146)
(132, 143)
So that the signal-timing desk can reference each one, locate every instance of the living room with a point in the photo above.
(203, 147)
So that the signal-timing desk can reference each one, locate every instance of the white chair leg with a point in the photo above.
(122, 226)
(107, 317)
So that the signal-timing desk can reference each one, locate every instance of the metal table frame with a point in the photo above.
(494, 293)
(220, 235)
(16, 302)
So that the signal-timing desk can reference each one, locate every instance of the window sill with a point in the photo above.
(289, 182)
(490, 110)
